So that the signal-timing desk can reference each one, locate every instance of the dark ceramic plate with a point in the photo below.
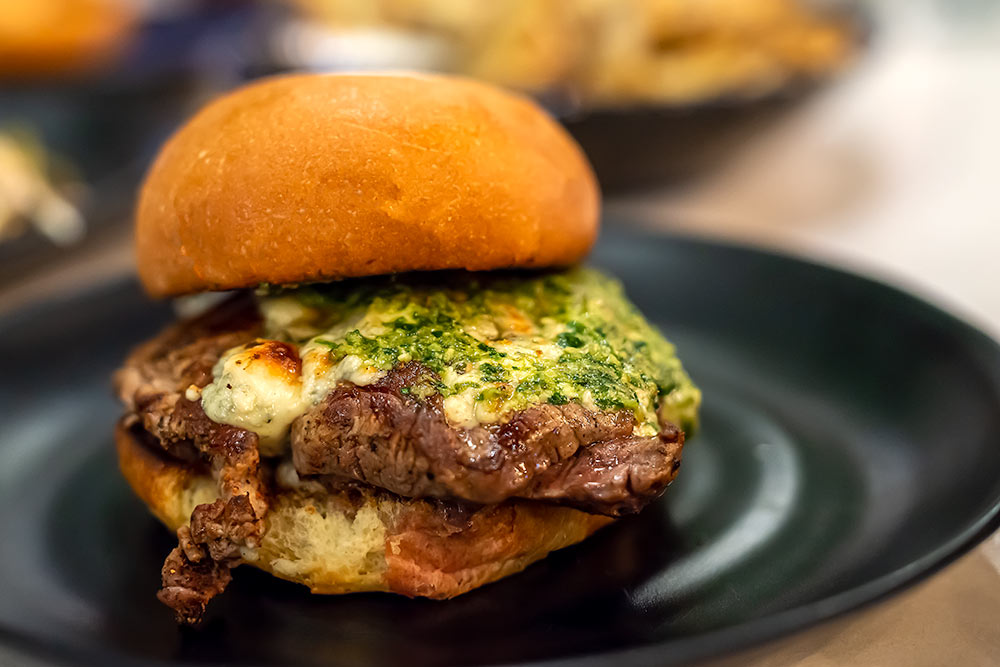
(851, 446)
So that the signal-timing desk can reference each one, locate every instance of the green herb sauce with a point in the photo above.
(498, 342)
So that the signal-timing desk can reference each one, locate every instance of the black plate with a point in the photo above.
(851, 445)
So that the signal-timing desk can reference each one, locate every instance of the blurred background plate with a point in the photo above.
(850, 446)
(654, 143)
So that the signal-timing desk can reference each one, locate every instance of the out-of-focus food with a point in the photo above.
(605, 52)
(28, 196)
(62, 37)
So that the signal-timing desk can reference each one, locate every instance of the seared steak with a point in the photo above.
(565, 454)
(379, 435)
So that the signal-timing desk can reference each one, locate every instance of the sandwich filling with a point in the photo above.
(494, 345)
(472, 390)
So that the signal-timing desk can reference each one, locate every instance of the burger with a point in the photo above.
(411, 385)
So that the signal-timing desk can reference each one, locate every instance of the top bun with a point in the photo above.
(318, 177)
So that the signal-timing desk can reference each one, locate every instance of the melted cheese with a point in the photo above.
(255, 392)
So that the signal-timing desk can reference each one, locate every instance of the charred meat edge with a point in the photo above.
(152, 384)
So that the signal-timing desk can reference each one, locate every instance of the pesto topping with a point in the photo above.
(498, 342)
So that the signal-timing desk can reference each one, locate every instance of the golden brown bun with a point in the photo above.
(317, 177)
(335, 542)
(57, 37)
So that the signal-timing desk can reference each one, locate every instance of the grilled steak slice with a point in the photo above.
(565, 454)
(152, 385)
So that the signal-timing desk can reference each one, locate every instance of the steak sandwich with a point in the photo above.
(412, 386)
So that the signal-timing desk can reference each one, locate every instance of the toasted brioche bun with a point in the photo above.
(318, 177)
(338, 542)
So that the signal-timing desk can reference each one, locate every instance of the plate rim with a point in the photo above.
(719, 642)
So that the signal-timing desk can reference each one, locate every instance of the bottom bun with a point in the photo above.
(351, 538)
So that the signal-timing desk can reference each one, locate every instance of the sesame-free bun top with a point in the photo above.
(317, 177)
